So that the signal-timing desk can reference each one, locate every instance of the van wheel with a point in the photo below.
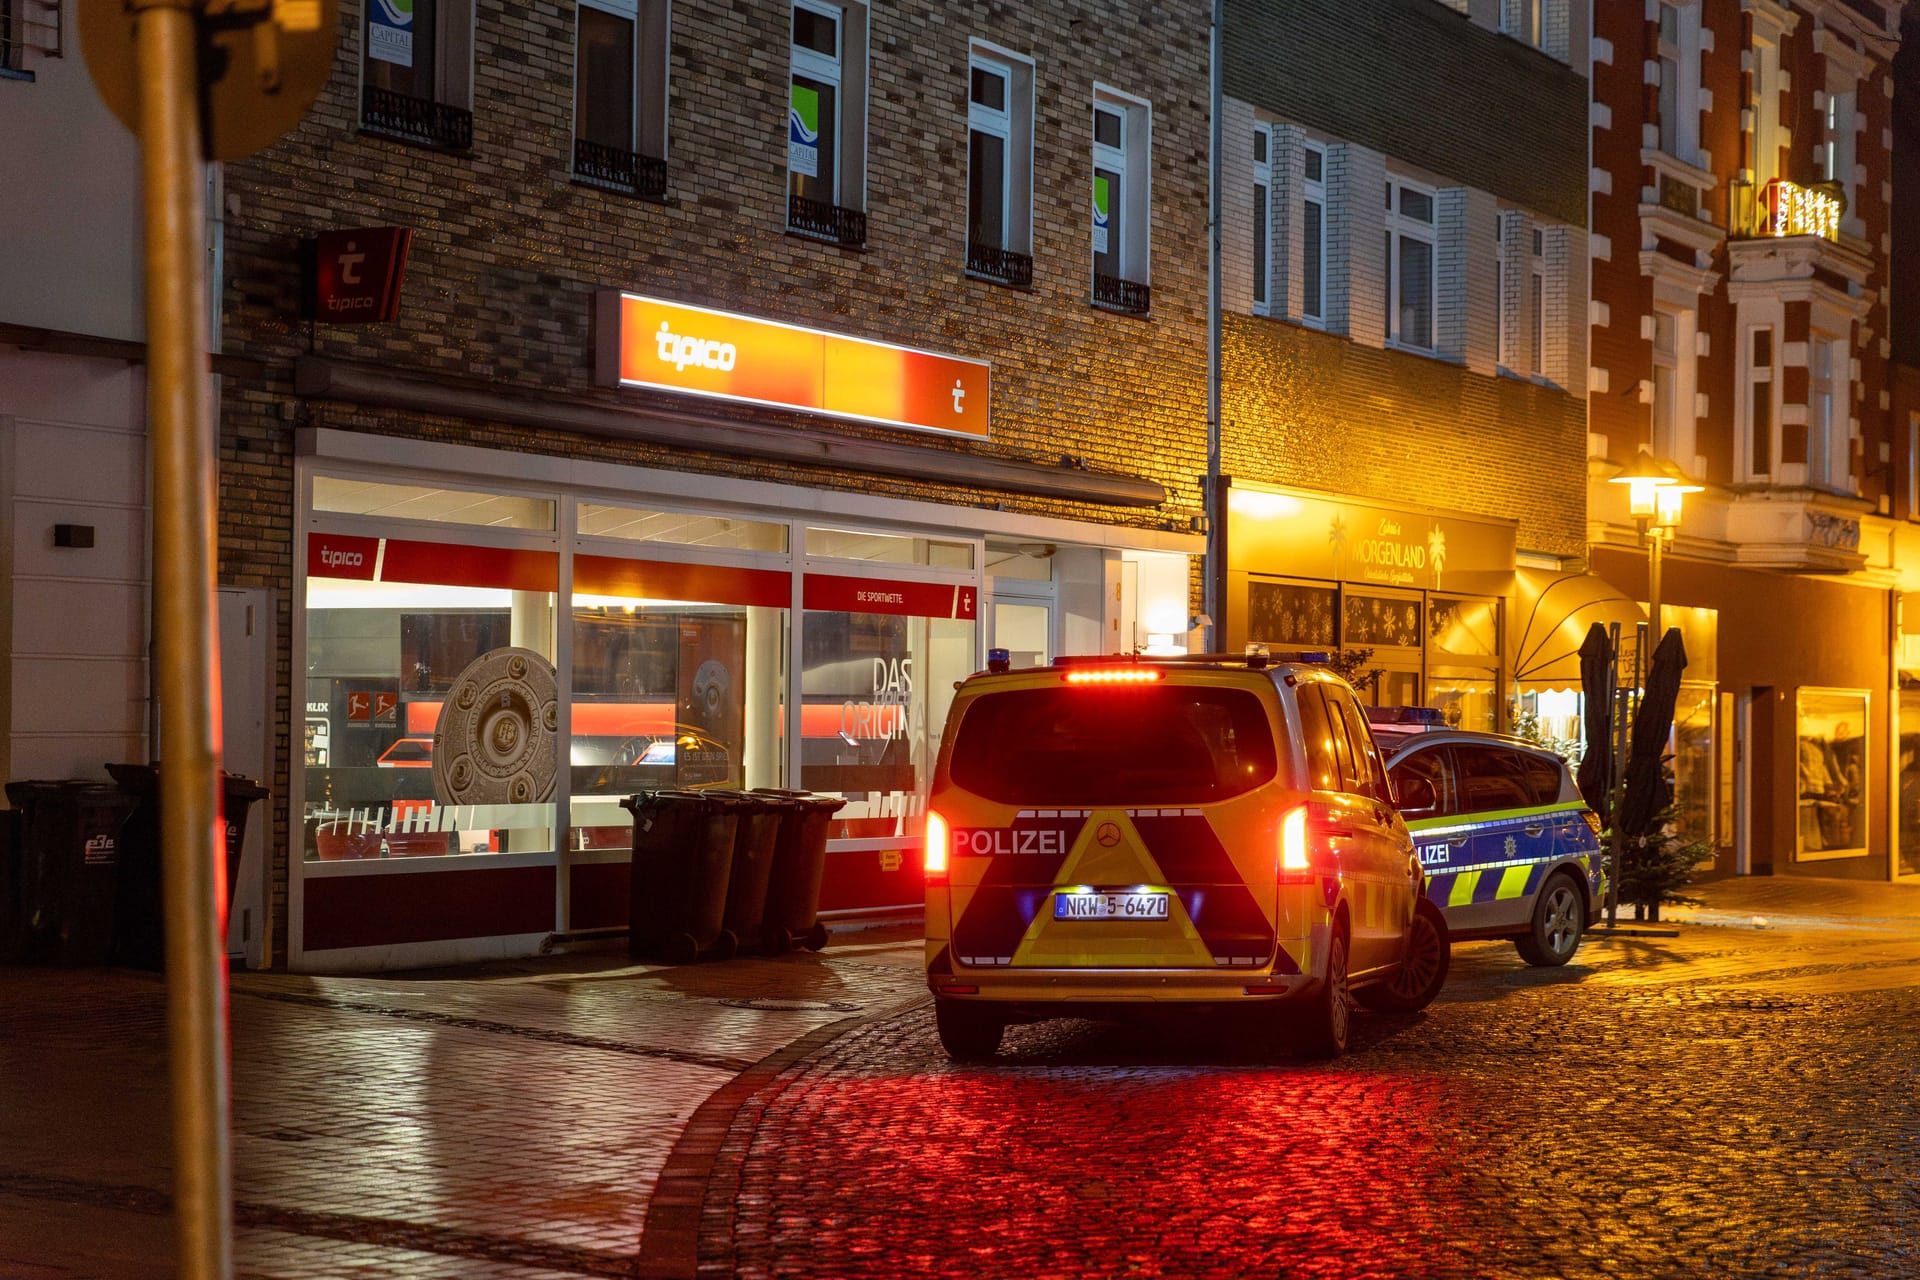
(967, 1032)
(1559, 919)
(1423, 969)
(1327, 1016)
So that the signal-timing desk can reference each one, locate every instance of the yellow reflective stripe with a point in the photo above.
(1463, 889)
(1513, 882)
(1455, 822)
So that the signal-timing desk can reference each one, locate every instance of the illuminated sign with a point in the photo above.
(1793, 210)
(667, 346)
(354, 277)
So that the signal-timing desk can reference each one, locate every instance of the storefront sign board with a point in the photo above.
(1295, 535)
(831, 593)
(669, 346)
(356, 275)
(334, 555)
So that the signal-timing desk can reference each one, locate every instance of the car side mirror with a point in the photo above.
(1416, 795)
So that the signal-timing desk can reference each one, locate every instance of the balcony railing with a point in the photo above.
(431, 124)
(1121, 295)
(827, 221)
(1003, 265)
(617, 170)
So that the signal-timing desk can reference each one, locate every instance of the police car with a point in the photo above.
(1109, 836)
(1510, 848)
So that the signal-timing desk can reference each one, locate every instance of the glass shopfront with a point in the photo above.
(1831, 754)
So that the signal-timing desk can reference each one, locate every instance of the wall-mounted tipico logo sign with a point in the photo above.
(1793, 210)
(354, 277)
(668, 346)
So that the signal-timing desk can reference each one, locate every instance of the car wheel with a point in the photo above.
(1559, 918)
(1327, 1016)
(968, 1033)
(1422, 970)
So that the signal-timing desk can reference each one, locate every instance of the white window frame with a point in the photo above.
(846, 71)
(1014, 126)
(1665, 435)
(1537, 306)
(1764, 121)
(1502, 349)
(1759, 379)
(1829, 411)
(1262, 219)
(651, 40)
(998, 124)
(1313, 193)
(1132, 161)
(452, 55)
(1400, 227)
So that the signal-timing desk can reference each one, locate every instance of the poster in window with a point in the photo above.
(390, 31)
(1287, 613)
(803, 132)
(1102, 202)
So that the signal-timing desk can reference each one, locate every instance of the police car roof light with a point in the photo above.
(1406, 715)
(999, 660)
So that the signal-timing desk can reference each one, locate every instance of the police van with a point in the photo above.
(1110, 836)
(1510, 848)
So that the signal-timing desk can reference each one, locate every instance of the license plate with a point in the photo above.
(1110, 906)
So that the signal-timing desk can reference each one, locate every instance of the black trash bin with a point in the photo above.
(682, 861)
(756, 843)
(799, 861)
(140, 935)
(70, 850)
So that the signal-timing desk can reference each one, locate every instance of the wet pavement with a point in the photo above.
(1732, 1092)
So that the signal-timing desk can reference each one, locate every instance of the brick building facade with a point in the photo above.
(1742, 209)
(1404, 360)
(914, 175)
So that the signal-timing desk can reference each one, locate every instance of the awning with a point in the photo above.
(1551, 614)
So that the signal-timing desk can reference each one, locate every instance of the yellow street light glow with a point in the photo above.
(1642, 478)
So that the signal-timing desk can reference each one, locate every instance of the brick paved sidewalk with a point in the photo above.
(506, 1122)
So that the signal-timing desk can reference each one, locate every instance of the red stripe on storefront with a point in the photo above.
(670, 580)
(834, 594)
(452, 565)
(341, 555)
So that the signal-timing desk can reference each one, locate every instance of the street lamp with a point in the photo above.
(1654, 494)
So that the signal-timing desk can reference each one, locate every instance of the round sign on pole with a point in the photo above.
(497, 739)
(262, 64)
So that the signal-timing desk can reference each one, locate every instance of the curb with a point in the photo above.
(670, 1235)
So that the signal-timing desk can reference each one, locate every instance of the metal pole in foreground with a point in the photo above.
(1212, 596)
(184, 504)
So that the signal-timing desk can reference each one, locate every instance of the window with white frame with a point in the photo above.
(620, 95)
(416, 72)
(1121, 147)
(1678, 60)
(1262, 207)
(826, 121)
(999, 166)
(1410, 265)
(1761, 402)
(1666, 377)
(1764, 116)
(1837, 141)
(1827, 412)
(1313, 235)
(1537, 308)
(1503, 354)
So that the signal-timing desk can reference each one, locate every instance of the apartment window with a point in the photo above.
(416, 72)
(620, 96)
(1837, 145)
(1525, 20)
(826, 122)
(1537, 309)
(1262, 195)
(1503, 354)
(1313, 239)
(1666, 369)
(999, 167)
(1121, 128)
(1766, 111)
(1827, 413)
(1410, 257)
(1760, 401)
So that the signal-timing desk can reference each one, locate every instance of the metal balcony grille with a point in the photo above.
(432, 124)
(827, 221)
(1003, 265)
(617, 170)
(1121, 295)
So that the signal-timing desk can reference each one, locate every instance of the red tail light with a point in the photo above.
(1293, 843)
(1113, 675)
(938, 841)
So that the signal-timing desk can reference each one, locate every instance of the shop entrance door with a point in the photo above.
(1023, 626)
(246, 688)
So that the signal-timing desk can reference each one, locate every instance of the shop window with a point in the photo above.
(999, 166)
(1693, 764)
(888, 548)
(397, 633)
(620, 96)
(1908, 858)
(1313, 238)
(1832, 765)
(672, 688)
(430, 502)
(639, 524)
(827, 122)
(1291, 614)
(417, 72)
(1463, 652)
(1262, 210)
(1122, 127)
(1410, 266)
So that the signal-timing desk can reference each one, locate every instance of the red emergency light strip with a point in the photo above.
(1113, 675)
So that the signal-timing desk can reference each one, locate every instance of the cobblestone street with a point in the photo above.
(1735, 1093)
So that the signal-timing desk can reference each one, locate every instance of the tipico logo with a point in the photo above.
(335, 558)
(679, 350)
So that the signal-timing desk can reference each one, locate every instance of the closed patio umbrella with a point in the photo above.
(1595, 775)
(1647, 791)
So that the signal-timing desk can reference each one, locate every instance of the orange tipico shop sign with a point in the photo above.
(668, 346)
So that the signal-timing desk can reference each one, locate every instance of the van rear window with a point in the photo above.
(1122, 745)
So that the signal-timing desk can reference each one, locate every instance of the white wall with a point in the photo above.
(72, 451)
(70, 205)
